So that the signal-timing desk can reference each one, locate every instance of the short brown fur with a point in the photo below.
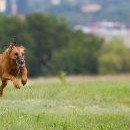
(9, 70)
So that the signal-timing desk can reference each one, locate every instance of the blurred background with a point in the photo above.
(69, 37)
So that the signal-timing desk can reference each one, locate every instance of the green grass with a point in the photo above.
(87, 105)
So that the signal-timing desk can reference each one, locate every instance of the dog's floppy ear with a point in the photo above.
(12, 45)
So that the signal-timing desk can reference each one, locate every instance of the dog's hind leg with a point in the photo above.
(3, 85)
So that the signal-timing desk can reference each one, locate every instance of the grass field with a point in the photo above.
(82, 103)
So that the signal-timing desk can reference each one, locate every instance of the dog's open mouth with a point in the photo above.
(19, 62)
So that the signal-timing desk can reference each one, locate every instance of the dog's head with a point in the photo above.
(16, 54)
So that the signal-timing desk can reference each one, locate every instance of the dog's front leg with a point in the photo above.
(24, 76)
(4, 83)
(8, 76)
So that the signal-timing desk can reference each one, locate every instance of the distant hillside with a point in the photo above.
(80, 11)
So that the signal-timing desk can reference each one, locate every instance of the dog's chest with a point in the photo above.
(14, 71)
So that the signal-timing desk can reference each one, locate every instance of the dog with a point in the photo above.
(12, 64)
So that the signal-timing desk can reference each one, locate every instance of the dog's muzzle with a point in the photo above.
(20, 61)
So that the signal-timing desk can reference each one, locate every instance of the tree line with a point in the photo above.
(53, 47)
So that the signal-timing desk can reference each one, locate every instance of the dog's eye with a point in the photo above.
(16, 54)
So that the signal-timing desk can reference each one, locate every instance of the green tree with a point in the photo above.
(115, 58)
(80, 57)
(50, 34)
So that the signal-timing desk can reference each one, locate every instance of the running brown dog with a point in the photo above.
(12, 63)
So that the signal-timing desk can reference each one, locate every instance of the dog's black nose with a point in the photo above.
(22, 61)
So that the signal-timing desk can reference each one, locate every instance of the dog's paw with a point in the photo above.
(24, 81)
(16, 84)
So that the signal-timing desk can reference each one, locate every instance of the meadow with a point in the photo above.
(75, 103)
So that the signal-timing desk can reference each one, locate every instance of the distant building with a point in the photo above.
(91, 8)
(16, 7)
(105, 29)
(11, 7)
(3, 5)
